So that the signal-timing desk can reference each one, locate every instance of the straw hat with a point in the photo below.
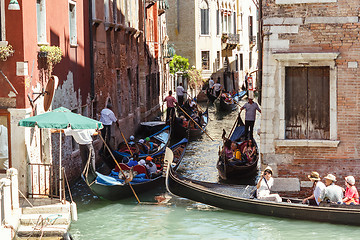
(350, 180)
(330, 177)
(314, 176)
(268, 168)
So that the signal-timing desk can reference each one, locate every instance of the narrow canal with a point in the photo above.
(184, 219)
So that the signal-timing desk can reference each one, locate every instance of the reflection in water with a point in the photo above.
(180, 218)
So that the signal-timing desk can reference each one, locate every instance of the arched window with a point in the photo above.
(204, 12)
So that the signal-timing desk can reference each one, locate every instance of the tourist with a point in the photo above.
(211, 85)
(185, 123)
(170, 103)
(318, 187)
(131, 142)
(250, 116)
(217, 88)
(249, 151)
(264, 187)
(152, 147)
(151, 168)
(227, 149)
(351, 193)
(132, 162)
(332, 193)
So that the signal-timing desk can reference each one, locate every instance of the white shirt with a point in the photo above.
(320, 186)
(211, 83)
(107, 116)
(264, 190)
(217, 87)
(81, 136)
(180, 91)
(4, 152)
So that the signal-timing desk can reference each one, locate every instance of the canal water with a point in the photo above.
(185, 219)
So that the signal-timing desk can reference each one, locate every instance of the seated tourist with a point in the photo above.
(351, 193)
(151, 167)
(142, 147)
(318, 187)
(249, 151)
(227, 150)
(131, 142)
(237, 158)
(185, 123)
(132, 162)
(152, 147)
(332, 193)
(264, 187)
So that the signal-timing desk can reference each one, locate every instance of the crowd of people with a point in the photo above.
(239, 154)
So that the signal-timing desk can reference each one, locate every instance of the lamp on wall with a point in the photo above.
(14, 5)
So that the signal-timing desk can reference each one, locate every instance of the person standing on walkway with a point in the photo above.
(107, 118)
(170, 103)
(250, 116)
(180, 94)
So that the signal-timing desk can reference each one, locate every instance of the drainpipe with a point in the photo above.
(260, 48)
(92, 82)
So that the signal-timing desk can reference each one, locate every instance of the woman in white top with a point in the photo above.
(264, 186)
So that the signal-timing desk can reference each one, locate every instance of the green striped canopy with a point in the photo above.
(61, 118)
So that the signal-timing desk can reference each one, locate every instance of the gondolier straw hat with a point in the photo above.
(350, 180)
(331, 177)
(314, 176)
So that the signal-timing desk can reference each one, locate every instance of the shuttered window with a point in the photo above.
(217, 22)
(204, 21)
(307, 102)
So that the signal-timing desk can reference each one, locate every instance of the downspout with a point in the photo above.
(92, 82)
(260, 48)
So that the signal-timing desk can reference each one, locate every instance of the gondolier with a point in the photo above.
(250, 116)
(180, 94)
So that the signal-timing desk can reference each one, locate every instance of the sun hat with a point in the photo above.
(314, 176)
(149, 158)
(350, 180)
(268, 168)
(147, 139)
(141, 141)
(142, 162)
(331, 177)
(132, 137)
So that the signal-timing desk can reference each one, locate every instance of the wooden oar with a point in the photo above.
(237, 119)
(127, 145)
(195, 123)
(132, 189)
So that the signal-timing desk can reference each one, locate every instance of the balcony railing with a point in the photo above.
(230, 40)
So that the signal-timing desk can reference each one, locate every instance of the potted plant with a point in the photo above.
(6, 52)
(53, 54)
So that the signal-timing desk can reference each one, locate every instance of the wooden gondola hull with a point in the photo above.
(209, 194)
(222, 106)
(179, 132)
(210, 96)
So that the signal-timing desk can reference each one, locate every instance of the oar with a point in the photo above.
(127, 145)
(237, 119)
(132, 189)
(195, 123)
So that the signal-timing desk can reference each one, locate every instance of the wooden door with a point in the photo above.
(307, 103)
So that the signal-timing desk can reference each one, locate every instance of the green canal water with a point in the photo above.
(185, 219)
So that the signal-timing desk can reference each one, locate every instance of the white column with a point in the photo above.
(7, 198)
(12, 174)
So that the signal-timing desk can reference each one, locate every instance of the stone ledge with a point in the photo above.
(305, 56)
(306, 143)
(329, 20)
(286, 185)
(303, 1)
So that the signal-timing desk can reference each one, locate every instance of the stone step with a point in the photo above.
(48, 231)
(47, 209)
(45, 219)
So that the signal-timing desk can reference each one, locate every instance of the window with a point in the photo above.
(2, 21)
(217, 60)
(241, 62)
(129, 100)
(307, 105)
(119, 91)
(5, 146)
(41, 21)
(115, 11)
(250, 27)
(107, 10)
(205, 55)
(250, 59)
(137, 87)
(217, 22)
(234, 22)
(236, 63)
(72, 22)
(204, 12)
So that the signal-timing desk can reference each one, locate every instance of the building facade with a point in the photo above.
(217, 36)
(310, 79)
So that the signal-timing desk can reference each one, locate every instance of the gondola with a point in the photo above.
(210, 96)
(197, 132)
(237, 198)
(228, 171)
(112, 188)
(225, 106)
(161, 138)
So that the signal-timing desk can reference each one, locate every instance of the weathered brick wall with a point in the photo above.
(314, 28)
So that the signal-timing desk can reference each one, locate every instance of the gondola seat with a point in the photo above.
(123, 166)
(140, 169)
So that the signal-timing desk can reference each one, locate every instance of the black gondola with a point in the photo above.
(210, 96)
(112, 188)
(231, 197)
(229, 171)
(225, 106)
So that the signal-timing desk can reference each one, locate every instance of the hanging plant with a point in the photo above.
(53, 55)
(6, 52)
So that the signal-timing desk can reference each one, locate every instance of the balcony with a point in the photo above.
(229, 41)
(252, 41)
